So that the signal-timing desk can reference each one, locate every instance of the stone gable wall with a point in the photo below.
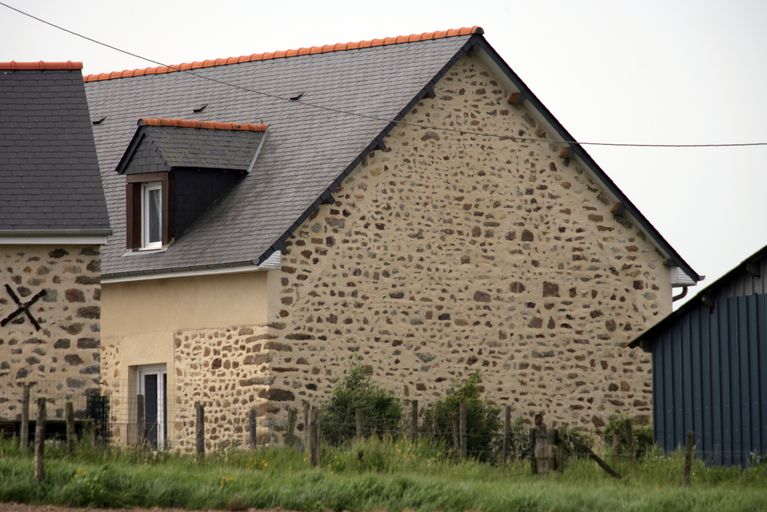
(448, 253)
(61, 360)
(444, 254)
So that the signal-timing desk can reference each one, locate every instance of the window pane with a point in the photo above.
(155, 215)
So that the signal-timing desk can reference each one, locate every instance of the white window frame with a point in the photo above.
(145, 189)
(162, 374)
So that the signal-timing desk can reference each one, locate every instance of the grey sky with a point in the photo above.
(659, 72)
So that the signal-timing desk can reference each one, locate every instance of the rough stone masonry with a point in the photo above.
(61, 360)
(444, 254)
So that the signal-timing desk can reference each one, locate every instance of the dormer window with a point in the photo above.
(151, 215)
(149, 210)
(175, 169)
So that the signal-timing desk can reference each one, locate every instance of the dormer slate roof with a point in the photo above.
(176, 143)
(49, 175)
(309, 149)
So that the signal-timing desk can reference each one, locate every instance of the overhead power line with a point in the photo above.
(374, 117)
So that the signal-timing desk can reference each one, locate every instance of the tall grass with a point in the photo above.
(372, 475)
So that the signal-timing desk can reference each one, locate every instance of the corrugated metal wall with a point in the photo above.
(710, 377)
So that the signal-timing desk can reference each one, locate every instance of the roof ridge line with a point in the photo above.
(281, 54)
(41, 65)
(205, 125)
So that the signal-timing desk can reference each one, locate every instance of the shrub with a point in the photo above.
(482, 421)
(616, 436)
(382, 411)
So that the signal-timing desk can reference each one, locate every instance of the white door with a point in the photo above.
(152, 383)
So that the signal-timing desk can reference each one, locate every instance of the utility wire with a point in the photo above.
(374, 117)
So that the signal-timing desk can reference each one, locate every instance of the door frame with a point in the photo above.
(160, 370)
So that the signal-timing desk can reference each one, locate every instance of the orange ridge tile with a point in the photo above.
(40, 66)
(328, 48)
(204, 125)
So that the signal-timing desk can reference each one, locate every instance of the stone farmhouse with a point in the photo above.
(406, 203)
(53, 223)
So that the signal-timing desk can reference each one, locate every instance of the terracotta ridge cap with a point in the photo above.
(204, 125)
(41, 66)
(282, 54)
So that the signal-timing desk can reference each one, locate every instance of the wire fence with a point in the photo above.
(138, 420)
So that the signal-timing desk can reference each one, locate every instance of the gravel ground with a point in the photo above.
(16, 507)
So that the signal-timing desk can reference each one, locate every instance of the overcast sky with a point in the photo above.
(649, 72)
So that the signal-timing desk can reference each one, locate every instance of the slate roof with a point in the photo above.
(206, 145)
(305, 151)
(308, 148)
(49, 175)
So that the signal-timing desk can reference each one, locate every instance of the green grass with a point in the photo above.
(369, 476)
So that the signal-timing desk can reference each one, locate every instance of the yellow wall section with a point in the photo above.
(139, 320)
(141, 307)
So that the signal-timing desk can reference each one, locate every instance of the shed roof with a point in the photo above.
(706, 295)
(49, 175)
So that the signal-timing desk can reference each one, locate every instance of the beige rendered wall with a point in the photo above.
(61, 360)
(140, 325)
(449, 253)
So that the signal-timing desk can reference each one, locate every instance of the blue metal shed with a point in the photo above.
(710, 368)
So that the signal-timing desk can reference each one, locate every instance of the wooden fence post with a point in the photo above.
(543, 447)
(252, 428)
(199, 431)
(140, 431)
(456, 435)
(314, 437)
(462, 428)
(630, 447)
(89, 431)
(414, 421)
(40, 441)
(533, 447)
(290, 433)
(616, 442)
(69, 419)
(319, 436)
(24, 434)
(688, 458)
(560, 447)
(306, 426)
(358, 424)
(506, 432)
(593, 456)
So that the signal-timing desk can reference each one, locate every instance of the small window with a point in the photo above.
(151, 215)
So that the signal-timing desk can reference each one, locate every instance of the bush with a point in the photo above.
(382, 411)
(616, 436)
(482, 421)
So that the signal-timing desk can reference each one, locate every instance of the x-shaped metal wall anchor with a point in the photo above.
(23, 307)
